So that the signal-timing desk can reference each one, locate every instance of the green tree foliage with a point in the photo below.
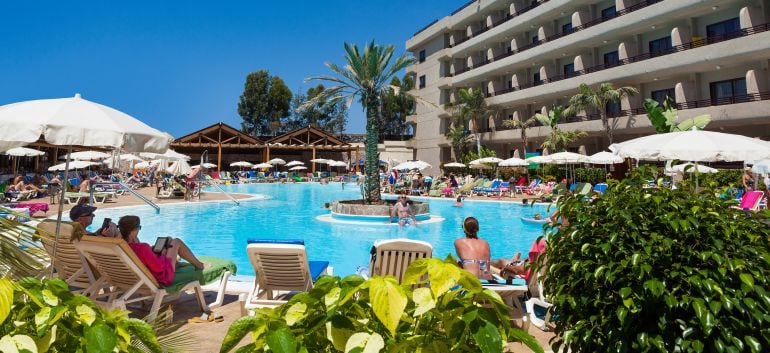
(379, 315)
(659, 270)
(331, 118)
(485, 152)
(588, 98)
(366, 76)
(43, 316)
(472, 107)
(21, 254)
(265, 102)
(396, 106)
(557, 140)
(663, 117)
(458, 140)
(522, 125)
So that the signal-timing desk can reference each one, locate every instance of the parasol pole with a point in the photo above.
(61, 208)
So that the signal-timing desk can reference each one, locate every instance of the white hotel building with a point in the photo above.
(711, 56)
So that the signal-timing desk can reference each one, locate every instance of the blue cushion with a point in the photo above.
(317, 268)
(276, 241)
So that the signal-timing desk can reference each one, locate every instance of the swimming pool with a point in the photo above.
(290, 211)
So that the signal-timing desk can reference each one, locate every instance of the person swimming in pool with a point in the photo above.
(473, 251)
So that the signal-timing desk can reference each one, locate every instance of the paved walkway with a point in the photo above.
(211, 334)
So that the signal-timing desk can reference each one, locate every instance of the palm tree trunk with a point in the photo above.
(606, 122)
(372, 185)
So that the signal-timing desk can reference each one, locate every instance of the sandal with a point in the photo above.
(204, 318)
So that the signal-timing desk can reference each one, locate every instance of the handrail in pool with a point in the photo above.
(216, 186)
(140, 196)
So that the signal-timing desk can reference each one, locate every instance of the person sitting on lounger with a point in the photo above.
(84, 214)
(473, 252)
(518, 267)
(161, 265)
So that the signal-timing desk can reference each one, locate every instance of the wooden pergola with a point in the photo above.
(231, 144)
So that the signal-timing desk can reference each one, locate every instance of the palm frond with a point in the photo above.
(21, 252)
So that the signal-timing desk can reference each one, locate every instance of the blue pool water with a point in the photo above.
(290, 211)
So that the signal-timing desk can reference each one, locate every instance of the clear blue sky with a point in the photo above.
(180, 65)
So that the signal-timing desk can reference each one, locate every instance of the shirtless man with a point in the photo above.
(403, 211)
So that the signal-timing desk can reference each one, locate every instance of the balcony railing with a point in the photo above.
(736, 99)
(584, 26)
(507, 18)
(641, 57)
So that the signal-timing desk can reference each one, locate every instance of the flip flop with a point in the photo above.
(203, 319)
(216, 317)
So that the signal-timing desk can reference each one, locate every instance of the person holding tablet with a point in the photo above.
(160, 259)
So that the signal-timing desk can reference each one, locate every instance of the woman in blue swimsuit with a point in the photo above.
(473, 252)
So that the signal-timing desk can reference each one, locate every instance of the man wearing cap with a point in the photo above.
(84, 214)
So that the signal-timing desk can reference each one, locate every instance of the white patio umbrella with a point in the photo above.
(180, 167)
(242, 164)
(421, 165)
(692, 167)
(75, 121)
(275, 161)
(338, 164)
(23, 152)
(761, 166)
(147, 164)
(693, 145)
(321, 160)
(86, 156)
(299, 167)
(454, 165)
(72, 165)
(479, 166)
(604, 157)
(565, 158)
(491, 160)
(130, 157)
(168, 155)
(513, 162)
(262, 166)
(205, 165)
(538, 159)
(294, 163)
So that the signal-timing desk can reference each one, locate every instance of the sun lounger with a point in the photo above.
(528, 189)
(751, 200)
(538, 306)
(282, 268)
(391, 257)
(130, 280)
(68, 263)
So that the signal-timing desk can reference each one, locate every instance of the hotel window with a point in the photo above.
(609, 13)
(725, 91)
(612, 108)
(660, 95)
(422, 81)
(422, 56)
(535, 39)
(611, 59)
(660, 46)
(569, 70)
(510, 84)
(536, 79)
(566, 28)
(724, 30)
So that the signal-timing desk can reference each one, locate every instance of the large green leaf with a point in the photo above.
(388, 301)
(6, 298)
(100, 339)
(363, 342)
(487, 337)
(238, 330)
(424, 301)
(699, 122)
(282, 340)
(17, 344)
(443, 277)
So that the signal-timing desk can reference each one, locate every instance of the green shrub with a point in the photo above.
(725, 177)
(379, 315)
(43, 316)
(659, 270)
(591, 175)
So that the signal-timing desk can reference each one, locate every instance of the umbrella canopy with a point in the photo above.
(241, 164)
(492, 160)
(168, 154)
(604, 157)
(23, 152)
(130, 157)
(691, 168)
(262, 165)
(275, 161)
(76, 121)
(479, 166)
(87, 156)
(293, 163)
(761, 167)
(179, 167)
(299, 167)
(412, 165)
(454, 165)
(73, 165)
(566, 158)
(694, 145)
(205, 165)
(513, 162)
(146, 164)
(321, 160)
(338, 164)
(539, 159)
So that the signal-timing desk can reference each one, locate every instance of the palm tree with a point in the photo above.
(367, 76)
(458, 138)
(472, 106)
(663, 118)
(588, 98)
(558, 140)
(523, 125)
